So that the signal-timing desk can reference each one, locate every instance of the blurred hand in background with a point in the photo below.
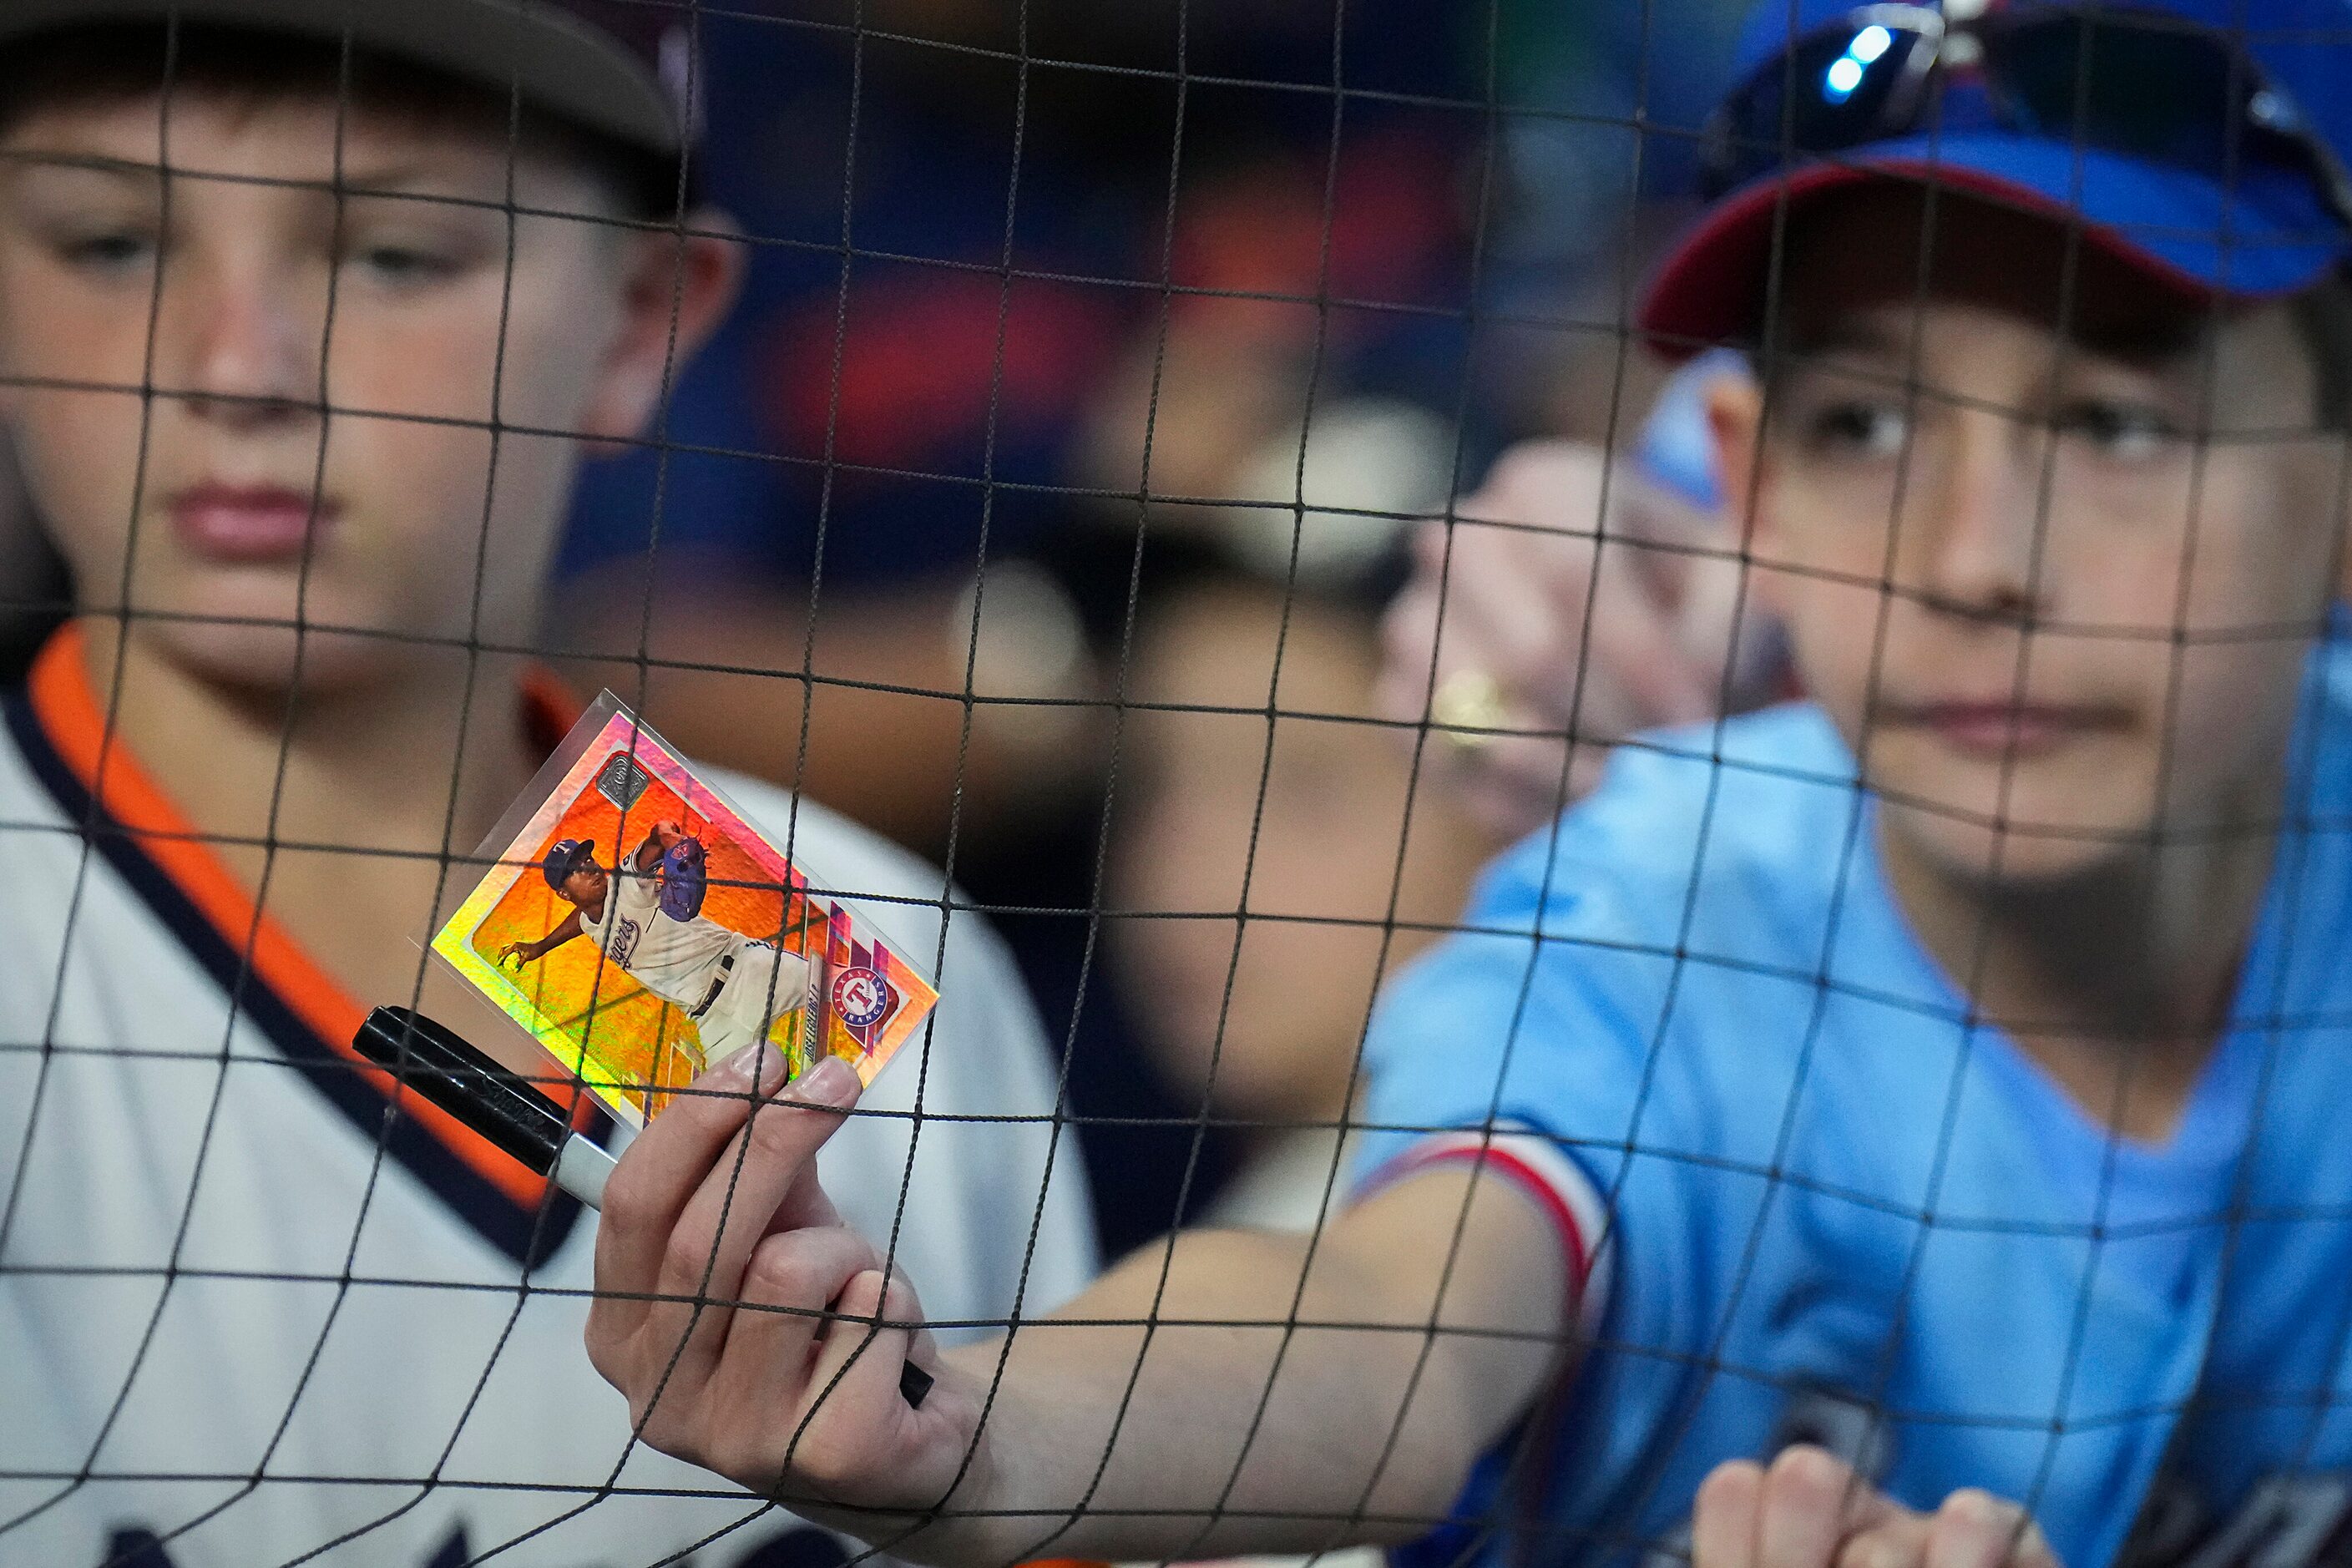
(1573, 600)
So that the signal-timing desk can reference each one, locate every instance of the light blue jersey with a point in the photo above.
(1825, 1205)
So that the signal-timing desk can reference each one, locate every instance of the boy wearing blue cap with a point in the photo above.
(1947, 1072)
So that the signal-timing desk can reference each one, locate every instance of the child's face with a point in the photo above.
(229, 496)
(1984, 579)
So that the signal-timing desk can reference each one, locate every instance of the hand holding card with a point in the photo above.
(436, 1063)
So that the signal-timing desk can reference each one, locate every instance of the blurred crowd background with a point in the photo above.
(1094, 363)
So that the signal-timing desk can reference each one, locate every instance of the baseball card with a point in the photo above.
(643, 931)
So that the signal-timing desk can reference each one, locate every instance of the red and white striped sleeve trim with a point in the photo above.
(1557, 1183)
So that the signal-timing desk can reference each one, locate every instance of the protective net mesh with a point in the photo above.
(1066, 489)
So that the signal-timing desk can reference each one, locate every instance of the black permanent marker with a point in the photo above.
(438, 1064)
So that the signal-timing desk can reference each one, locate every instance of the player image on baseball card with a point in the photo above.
(643, 931)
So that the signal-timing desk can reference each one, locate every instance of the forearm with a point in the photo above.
(1231, 1412)
(1266, 1394)
(1234, 1439)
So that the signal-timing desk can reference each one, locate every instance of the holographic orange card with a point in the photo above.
(642, 930)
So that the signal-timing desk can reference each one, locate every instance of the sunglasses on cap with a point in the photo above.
(2142, 84)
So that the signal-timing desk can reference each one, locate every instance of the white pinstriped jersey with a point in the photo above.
(245, 1313)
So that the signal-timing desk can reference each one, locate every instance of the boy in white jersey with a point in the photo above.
(733, 987)
(307, 312)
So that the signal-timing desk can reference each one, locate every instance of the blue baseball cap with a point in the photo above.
(567, 856)
(2270, 228)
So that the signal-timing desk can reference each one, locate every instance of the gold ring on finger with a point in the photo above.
(1468, 707)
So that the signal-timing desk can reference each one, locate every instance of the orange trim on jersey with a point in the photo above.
(549, 707)
(70, 714)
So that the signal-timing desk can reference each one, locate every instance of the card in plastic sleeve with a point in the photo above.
(575, 933)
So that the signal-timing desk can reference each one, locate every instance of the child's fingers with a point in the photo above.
(834, 1422)
(1897, 1543)
(1631, 643)
(1645, 508)
(2034, 1550)
(902, 1304)
(1723, 1520)
(790, 1286)
(655, 1178)
(1811, 1511)
(858, 1366)
(1809, 1496)
(730, 1212)
(1972, 1529)
(1976, 1529)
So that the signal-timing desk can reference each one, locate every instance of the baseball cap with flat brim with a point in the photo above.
(613, 67)
(2267, 230)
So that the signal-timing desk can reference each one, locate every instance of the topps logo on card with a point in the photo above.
(624, 782)
(861, 997)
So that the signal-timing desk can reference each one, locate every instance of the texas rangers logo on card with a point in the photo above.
(861, 997)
